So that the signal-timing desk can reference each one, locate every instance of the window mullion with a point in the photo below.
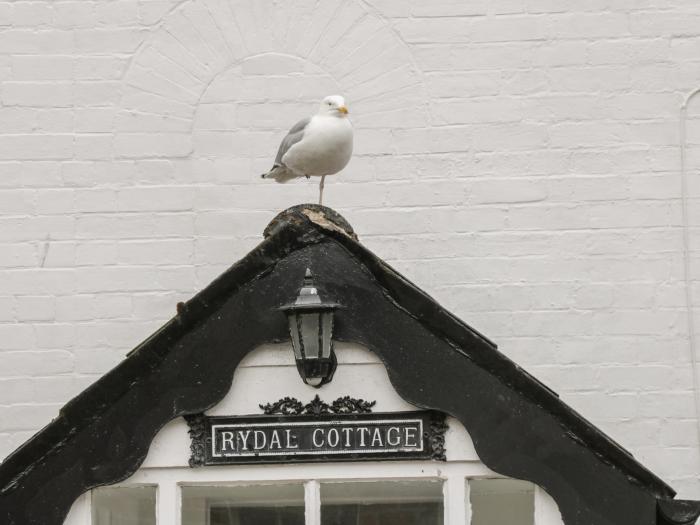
(457, 508)
(168, 503)
(312, 502)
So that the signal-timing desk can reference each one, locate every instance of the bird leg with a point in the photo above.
(320, 187)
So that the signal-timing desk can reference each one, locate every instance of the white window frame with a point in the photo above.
(454, 475)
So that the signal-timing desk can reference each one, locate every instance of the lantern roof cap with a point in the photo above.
(309, 297)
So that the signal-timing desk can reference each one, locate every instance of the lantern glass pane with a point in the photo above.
(294, 328)
(326, 333)
(310, 325)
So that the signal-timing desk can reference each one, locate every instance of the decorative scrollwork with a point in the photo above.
(350, 405)
(436, 435)
(316, 407)
(287, 406)
(290, 406)
(197, 432)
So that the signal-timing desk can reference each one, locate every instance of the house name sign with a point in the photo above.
(292, 432)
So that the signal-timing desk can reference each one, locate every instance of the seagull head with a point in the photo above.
(333, 105)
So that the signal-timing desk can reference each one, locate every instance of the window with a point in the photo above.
(124, 506)
(243, 505)
(506, 501)
(382, 503)
(419, 494)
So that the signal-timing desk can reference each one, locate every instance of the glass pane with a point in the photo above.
(245, 505)
(382, 503)
(310, 323)
(326, 333)
(124, 506)
(502, 501)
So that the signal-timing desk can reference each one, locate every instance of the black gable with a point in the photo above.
(520, 428)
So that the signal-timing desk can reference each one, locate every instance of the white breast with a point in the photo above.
(325, 149)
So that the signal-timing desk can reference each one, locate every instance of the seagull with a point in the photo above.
(316, 146)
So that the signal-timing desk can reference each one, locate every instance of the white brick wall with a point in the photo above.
(519, 159)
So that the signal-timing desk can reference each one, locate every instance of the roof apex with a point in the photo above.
(322, 216)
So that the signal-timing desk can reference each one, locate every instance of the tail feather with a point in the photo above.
(280, 174)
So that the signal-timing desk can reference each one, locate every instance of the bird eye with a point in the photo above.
(329, 103)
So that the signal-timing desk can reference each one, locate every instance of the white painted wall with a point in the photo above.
(518, 159)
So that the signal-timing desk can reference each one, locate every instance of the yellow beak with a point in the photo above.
(343, 110)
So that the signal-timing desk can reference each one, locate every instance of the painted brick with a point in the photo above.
(7, 308)
(518, 159)
(447, 8)
(55, 120)
(99, 67)
(153, 145)
(30, 14)
(589, 25)
(27, 417)
(32, 147)
(37, 94)
(42, 363)
(17, 337)
(121, 12)
(42, 67)
(35, 308)
(101, 41)
(152, 11)
(30, 41)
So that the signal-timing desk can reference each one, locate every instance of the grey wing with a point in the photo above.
(295, 135)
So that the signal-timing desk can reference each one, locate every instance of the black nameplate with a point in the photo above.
(336, 437)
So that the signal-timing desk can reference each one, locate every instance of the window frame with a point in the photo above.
(455, 477)
(169, 482)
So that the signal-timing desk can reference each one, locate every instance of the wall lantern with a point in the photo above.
(311, 329)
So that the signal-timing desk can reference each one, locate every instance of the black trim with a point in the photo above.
(435, 361)
(678, 512)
